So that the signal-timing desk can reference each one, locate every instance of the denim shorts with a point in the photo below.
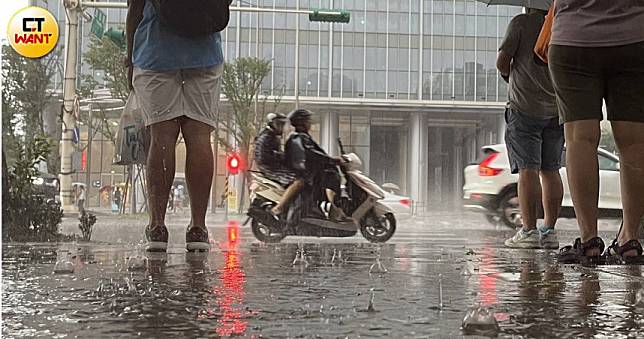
(533, 143)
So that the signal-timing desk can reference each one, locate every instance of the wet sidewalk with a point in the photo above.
(418, 285)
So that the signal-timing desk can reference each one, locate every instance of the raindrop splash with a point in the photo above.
(440, 291)
(65, 265)
(136, 263)
(300, 258)
(639, 298)
(479, 320)
(377, 267)
(372, 296)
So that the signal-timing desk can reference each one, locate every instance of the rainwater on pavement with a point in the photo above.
(420, 284)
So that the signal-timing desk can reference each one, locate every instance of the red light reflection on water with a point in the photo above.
(230, 293)
(488, 277)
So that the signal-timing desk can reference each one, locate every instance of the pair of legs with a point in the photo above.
(292, 191)
(534, 149)
(582, 138)
(584, 78)
(161, 167)
(532, 191)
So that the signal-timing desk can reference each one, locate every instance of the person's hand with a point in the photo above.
(130, 70)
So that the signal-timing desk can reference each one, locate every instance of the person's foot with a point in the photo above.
(157, 238)
(524, 239)
(628, 253)
(548, 237)
(197, 238)
(589, 252)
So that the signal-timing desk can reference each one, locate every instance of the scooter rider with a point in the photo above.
(315, 170)
(268, 154)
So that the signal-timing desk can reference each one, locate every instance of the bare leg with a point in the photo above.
(529, 194)
(199, 168)
(629, 137)
(290, 193)
(582, 139)
(552, 195)
(161, 167)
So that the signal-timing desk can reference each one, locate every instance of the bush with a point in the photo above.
(28, 215)
(87, 221)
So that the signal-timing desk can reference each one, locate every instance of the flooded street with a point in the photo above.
(420, 284)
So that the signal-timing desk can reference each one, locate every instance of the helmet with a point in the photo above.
(275, 117)
(299, 115)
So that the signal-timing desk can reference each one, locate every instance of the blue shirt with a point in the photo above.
(157, 48)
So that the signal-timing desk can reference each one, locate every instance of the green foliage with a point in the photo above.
(27, 215)
(242, 80)
(103, 54)
(106, 55)
(86, 225)
(25, 94)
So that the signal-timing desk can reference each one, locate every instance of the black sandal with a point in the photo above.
(615, 253)
(576, 253)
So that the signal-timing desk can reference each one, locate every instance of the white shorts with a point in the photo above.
(167, 95)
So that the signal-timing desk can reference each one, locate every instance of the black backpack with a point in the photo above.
(193, 18)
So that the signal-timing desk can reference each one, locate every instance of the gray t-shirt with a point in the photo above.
(531, 90)
(598, 23)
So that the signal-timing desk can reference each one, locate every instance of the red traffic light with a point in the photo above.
(234, 163)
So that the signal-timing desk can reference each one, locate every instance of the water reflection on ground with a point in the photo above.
(249, 289)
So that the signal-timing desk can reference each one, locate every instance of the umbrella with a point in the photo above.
(538, 4)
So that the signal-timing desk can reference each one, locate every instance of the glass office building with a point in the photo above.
(409, 85)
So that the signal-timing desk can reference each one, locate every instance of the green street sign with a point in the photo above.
(98, 23)
(330, 15)
(117, 36)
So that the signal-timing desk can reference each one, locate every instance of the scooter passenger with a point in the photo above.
(268, 153)
(315, 170)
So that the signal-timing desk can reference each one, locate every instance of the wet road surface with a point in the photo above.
(420, 284)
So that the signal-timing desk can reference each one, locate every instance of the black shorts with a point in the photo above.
(583, 76)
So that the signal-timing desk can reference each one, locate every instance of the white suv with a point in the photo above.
(492, 189)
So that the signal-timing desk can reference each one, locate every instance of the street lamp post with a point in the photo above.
(69, 104)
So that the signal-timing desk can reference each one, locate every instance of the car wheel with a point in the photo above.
(510, 214)
(493, 219)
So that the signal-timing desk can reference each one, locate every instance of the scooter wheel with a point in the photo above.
(380, 229)
(265, 233)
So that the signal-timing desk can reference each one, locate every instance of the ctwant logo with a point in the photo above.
(33, 32)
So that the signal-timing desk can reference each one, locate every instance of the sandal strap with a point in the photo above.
(630, 245)
(593, 243)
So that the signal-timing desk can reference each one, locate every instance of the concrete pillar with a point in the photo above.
(418, 162)
(329, 126)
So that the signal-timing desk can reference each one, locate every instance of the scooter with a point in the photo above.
(360, 200)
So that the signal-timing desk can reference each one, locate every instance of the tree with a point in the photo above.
(26, 92)
(242, 80)
(103, 54)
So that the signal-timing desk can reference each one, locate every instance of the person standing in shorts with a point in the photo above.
(176, 81)
(596, 56)
(534, 138)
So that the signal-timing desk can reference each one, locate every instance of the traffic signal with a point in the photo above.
(234, 163)
(330, 15)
